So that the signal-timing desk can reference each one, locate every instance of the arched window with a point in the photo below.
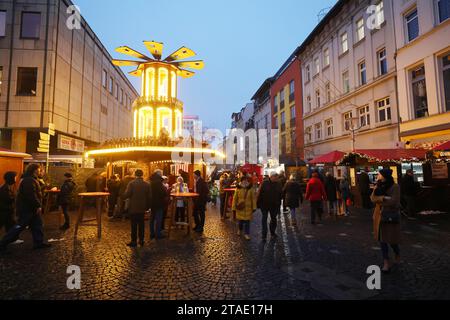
(163, 85)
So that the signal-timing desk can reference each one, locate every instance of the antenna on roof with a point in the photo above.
(322, 13)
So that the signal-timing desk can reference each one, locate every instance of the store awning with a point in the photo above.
(11, 154)
(332, 157)
(392, 155)
(443, 147)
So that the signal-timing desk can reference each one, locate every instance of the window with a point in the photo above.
(326, 57)
(364, 116)
(26, 81)
(31, 25)
(275, 120)
(316, 66)
(317, 98)
(308, 103)
(360, 29)
(362, 73)
(291, 91)
(283, 118)
(412, 25)
(111, 85)
(384, 110)
(293, 114)
(2, 23)
(117, 91)
(382, 62)
(318, 130)
(104, 110)
(344, 42)
(443, 7)
(104, 78)
(308, 134)
(380, 13)
(446, 71)
(282, 98)
(348, 116)
(419, 90)
(328, 92)
(283, 144)
(329, 127)
(1, 79)
(308, 74)
(275, 104)
(346, 82)
(121, 95)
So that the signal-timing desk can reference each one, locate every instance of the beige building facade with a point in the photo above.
(349, 80)
(55, 71)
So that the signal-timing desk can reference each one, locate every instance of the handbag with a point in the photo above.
(390, 216)
(349, 202)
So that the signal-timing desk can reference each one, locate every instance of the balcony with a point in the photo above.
(152, 101)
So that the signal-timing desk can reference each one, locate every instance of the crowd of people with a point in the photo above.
(134, 197)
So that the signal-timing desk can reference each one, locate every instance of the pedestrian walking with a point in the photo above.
(293, 195)
(7, 198)
(269, 202)
(214, 191)
(159, 199)
(224, 183)
(29, 210)
(180, 187)
(200, 202)
(386, 217)
(344, 190)
(64, 198)
(315, 193)
(244, 205)
(139, 193)
(113, 185)
(283, 180)
(331, 190)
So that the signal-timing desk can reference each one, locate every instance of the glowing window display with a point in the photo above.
(173, 79)
(163, 85)
(150, 83)
(164, 120)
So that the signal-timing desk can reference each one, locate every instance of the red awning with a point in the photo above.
(331, 157)
(393, 154)
(443, 147)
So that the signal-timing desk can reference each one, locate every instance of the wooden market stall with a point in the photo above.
(11, 161)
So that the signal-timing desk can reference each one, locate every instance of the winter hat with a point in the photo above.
(68, 175)
(139, 173)
(386, 173)
(9, 177)
(198, 173)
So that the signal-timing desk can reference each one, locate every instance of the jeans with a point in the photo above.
(137, 227)
(34, 221)
(244, 225)
(274, 212)
(316, 209)
(294, 214)
(222, 204)
(156, 223)
(179, 214)
(199, 217)
(65, 210)
(385, 250)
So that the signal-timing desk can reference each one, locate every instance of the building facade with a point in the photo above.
(192, 124)
(423, 66)
(53, 71)
(349, 79)
(287, 111)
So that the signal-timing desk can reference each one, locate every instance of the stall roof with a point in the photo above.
(443, 147)
(388, 155)
(332, 157)
(8, 153)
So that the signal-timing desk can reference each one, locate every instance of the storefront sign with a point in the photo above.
(70, 144)
(439, 171)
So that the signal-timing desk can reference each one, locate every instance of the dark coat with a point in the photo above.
(91, 184)
(364, 183)
(408, 186)
(159, 192)
(389, 232)
(269, 196)
(201, 187)
(29, 197)
(293, 194)
(331, 188)
(124, 184)
(7, 198)
(113, 188)
(140, 194)
(65, 196)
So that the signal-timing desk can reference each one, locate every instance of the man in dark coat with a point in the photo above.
(269, 202)
(159, 199)
(331, 191)
(113, 186)
(282, 179)
(364, 189)
(200, 187)
(408, 189)
(64, 198)
(139, 193)
(7, 197)
(293, 195)
(123, 208)
(29, 210)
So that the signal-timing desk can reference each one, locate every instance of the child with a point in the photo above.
(244, 204)
(180, 187)
(214, 194)
(64, 198)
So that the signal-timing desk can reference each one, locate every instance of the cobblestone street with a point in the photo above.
(327, 261)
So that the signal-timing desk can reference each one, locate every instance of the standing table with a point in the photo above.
(229, 193)
(189, 196)
(98, 196)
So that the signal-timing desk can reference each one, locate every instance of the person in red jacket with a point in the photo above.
(315, 193)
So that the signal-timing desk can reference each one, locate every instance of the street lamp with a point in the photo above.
(354, 127)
